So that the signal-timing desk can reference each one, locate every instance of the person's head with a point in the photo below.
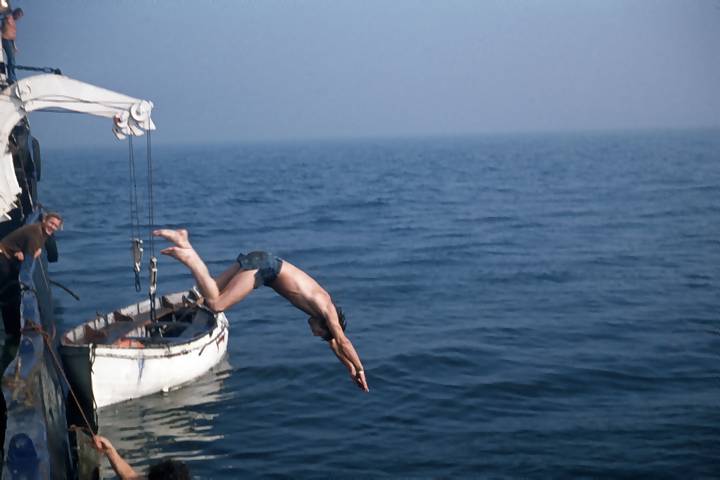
(52, 222)
(319, 327)
(169, 470)
(18, 13)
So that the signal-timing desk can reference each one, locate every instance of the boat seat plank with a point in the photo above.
(121, 327)
(121, 317)
(201, 324)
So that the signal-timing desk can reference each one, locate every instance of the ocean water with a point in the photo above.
(525, 306)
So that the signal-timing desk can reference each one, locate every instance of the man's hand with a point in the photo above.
(102, 444)
(359, 379)
(121, 467)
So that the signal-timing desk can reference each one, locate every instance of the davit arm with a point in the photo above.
(131, 116)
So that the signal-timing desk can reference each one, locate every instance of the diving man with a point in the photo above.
(262, 268)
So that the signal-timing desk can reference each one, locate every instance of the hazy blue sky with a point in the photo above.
(228, 70)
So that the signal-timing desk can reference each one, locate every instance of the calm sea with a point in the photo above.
(525, 306)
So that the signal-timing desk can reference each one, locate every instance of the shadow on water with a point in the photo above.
(178, 424)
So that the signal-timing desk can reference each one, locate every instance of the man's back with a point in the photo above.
(26, 239)
(9, 28)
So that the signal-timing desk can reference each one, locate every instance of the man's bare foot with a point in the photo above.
(186, 256)
(182, 251)
(179, 237)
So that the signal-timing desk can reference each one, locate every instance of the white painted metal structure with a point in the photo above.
(121, 372)
(131, 116)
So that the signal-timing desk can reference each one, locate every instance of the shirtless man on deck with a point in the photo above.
(261, 268)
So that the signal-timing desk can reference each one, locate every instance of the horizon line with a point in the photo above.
(406, 137)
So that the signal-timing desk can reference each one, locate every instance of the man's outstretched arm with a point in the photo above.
(342, 346)
(345, 351)
(354, 374)
(123, 469)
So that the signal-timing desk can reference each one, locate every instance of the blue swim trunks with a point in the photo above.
(268, 266)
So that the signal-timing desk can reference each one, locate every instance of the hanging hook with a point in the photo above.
(137, 253)
(153, 287)
(153, 275)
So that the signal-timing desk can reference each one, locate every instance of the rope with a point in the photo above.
(56, 71)
(58, 284)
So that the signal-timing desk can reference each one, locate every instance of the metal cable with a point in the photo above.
(134, 218)
(151, 200)
(151, 227)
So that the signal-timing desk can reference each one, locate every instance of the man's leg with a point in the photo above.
(235, 283)
(9, 50)
(186, 254)
(239, 286)
(10, 299)
(9, 296)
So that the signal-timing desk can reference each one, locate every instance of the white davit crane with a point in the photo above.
(131, 116)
